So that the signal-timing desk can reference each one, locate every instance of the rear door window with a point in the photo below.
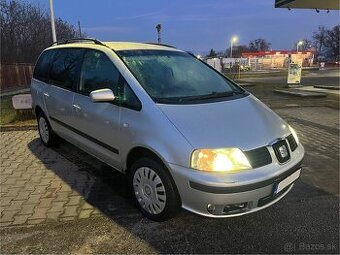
(65, 68)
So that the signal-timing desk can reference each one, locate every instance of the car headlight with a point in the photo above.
(219, 160)
(294, 134)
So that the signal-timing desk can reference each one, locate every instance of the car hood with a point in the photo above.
(245, 123)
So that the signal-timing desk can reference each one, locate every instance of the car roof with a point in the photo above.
(117, 46)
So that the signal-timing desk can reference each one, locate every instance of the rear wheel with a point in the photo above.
(47, 136)
(153, 190)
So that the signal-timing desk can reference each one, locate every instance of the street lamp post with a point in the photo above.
(54, 36)
(300, 43)
(233, 40)
(159, 29)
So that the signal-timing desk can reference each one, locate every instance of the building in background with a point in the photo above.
(278, 59)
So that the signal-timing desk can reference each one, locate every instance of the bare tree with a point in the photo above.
(212, 53)
(331, 43)
(319, 40)
(26, 31)
(259, 45)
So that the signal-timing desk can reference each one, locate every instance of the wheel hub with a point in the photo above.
(149, 190)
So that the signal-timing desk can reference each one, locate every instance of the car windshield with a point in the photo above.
(177, 77)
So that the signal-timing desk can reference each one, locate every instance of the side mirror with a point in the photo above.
(102, 95)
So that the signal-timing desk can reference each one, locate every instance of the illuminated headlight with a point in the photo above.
(219, 160)
(294, 134)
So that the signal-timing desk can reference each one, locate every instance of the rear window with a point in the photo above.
(43, 65)
(65, 68)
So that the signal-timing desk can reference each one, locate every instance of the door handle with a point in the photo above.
(46, 94)
(76, 106)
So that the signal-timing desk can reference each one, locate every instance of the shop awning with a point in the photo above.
(308, 4)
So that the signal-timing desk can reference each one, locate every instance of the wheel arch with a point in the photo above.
(140, 152)
(38, 110)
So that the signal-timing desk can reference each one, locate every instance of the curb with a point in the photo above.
(327, 87)
(246, 84)
(4, 128)
(300, 93)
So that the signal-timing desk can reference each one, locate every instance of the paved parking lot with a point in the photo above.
(62, 200)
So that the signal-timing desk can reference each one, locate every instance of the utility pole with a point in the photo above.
(79, 29)
(159, 28)
(54, 35)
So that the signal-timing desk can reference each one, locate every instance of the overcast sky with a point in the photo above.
(196, 25)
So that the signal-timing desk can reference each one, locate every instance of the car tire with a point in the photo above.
(47, 136)
(153, 189)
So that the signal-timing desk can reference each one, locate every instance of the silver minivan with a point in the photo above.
(184, 134)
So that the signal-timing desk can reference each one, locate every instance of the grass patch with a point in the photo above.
(8, 115)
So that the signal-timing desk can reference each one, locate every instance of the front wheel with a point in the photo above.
(153, 189)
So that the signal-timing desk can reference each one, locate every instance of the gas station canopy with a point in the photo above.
(308, 4)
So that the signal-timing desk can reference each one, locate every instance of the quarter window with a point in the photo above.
(65, 68)
(98, 72)
(43, 66)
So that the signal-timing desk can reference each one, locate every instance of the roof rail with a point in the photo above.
(162, 44)
(74, 40)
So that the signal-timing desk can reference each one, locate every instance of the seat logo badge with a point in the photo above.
(283, 151)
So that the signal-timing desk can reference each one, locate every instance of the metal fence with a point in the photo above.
(16, 75)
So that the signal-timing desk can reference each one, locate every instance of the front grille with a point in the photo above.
(292, 143)
(258, 157)
(281, 151)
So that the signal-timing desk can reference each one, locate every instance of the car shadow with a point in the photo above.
(306, 215)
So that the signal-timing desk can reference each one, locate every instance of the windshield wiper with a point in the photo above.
(211, 95)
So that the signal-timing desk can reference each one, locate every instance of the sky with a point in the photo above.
(195, 25)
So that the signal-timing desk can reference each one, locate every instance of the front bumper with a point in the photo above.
(227, 195)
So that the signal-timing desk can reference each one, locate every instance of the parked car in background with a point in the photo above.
(185, 135)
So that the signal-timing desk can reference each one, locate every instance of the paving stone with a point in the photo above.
(84, 214)
(33, 199)
(70, 211)
(71, 218)
(39, 213)
(22, 195)
(57, 206)
(74, 200)
(46, 202)
(35, 221)
(20, 219)
(8, 215)
(6, 201)
(86, 206)
(53, 215)
(13, 192)
(27, 209)
(40, 189)
(5, 224)
(15, 205)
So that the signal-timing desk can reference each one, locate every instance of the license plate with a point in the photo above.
(289, 180)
